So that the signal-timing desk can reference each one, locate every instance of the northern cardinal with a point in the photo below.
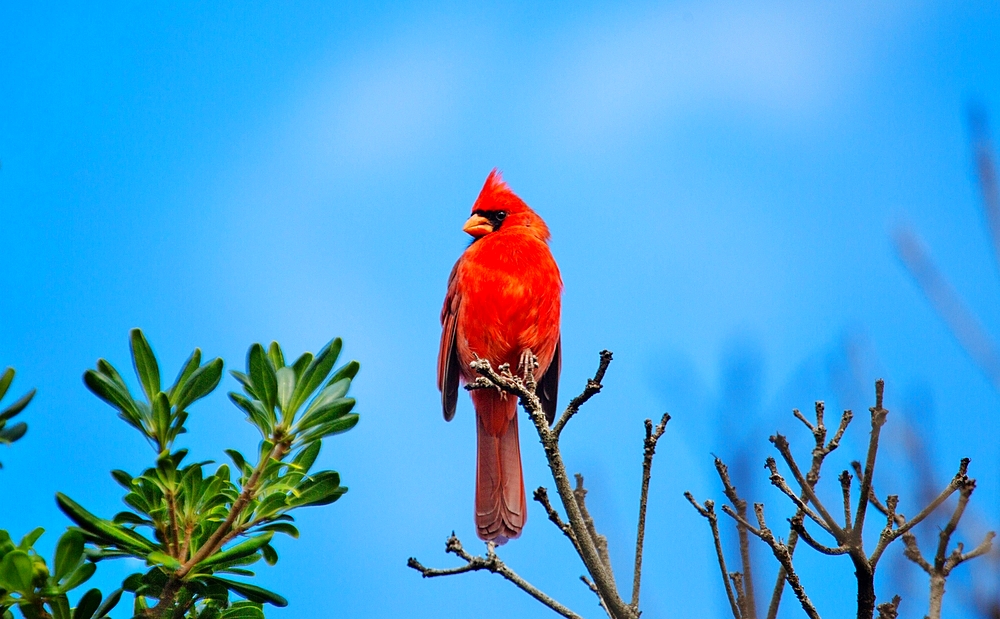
(502, 305)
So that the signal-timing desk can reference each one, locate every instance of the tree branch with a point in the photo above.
(593, 388)
(708, 512)
(492, 563)
(649, 450)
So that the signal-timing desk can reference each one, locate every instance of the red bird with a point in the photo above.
(503, 306)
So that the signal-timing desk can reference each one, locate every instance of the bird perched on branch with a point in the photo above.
(502, 305)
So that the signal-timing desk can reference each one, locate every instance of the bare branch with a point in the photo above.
(492, 563)
(542, 496)
(741, 509)
(600, 600)
(879, 416)
(649, 450)
(819, 454)
(599, 540)
(780, 552)
(798, 525)
(779, 482)
(708, 512)
(845, 488)
(593, 388)
(890, 609)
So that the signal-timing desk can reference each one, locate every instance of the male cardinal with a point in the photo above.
(503, 306)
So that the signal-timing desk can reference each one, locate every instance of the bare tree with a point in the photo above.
(847, 532)
(578, 525)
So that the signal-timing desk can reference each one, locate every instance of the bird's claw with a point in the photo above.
(527, 360)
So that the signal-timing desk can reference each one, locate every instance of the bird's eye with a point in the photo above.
(501, 215)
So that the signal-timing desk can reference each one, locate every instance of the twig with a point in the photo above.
(600, 601)
(580, 492)
(819, 454)
(780, 552)
(890, 609)
(740, 505)
(492, 563)
(593, 388)
(708, 512)
(649, 450)
(542, 496)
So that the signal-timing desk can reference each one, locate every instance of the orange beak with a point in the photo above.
(478, 226)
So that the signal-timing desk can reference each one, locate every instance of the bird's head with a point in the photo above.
(499, 209)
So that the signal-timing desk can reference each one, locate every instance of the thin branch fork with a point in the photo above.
(708, 512)
(821, 450)
(649, 450)
(492, 563)
(780, 551)
(748, 607)
(944, 562)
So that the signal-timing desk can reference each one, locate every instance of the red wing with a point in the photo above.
(448, 363)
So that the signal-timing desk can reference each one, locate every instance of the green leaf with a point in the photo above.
(17, 571)
(270, 554)
(13, 433)
(243, 612)
(238, 460)
(60, 606)
(161, 558)
(321, 489)
(239, 551)
(88, 605)
(261, 372)
(17, 406)
(29, 540)
(129, 518)
(281, 527)
(277, 357)
(286, 385)
(161, 417)
(306, 457)
(108, 604)
(348, 371)
(316, 373)
(337, 426)
(79, 576)
(107, 389)
(5, 380)
(145, 364)
(118, 535)
(69, 553)
(301, 364)
(252, 592)
(324, 414)
(201, 383)
(124, 479)
(192, 364)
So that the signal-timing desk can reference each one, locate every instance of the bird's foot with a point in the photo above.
(527, 365)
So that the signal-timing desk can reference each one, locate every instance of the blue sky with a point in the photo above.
(721, 181)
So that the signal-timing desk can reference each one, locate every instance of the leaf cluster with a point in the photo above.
(198, 526)
(11, 433)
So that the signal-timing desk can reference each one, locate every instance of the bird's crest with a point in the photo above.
(497, 195)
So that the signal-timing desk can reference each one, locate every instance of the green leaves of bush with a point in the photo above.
(161, 416)
(10, 433)
(191, 525)
(26, 582)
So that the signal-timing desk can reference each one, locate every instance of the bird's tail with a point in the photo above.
(501, 508)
